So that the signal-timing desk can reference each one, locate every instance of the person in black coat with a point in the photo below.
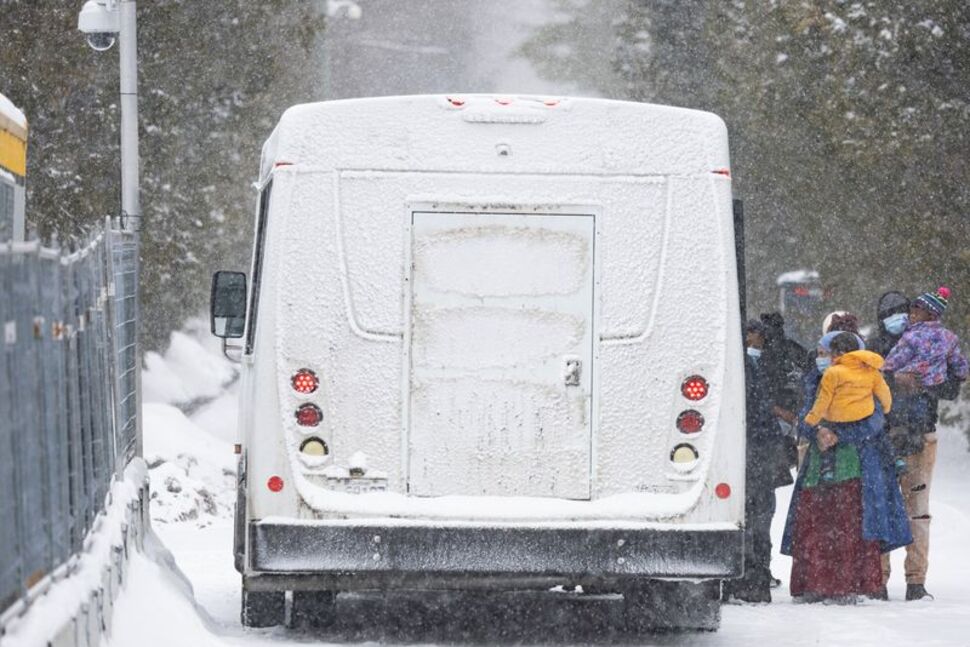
(766, 469)
(892, 313)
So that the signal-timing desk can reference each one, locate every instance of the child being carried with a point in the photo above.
(846, 394)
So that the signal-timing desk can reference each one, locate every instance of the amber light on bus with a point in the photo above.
(305, 381)
(308, 415)
(694, 388)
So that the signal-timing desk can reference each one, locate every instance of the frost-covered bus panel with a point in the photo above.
(491, 342)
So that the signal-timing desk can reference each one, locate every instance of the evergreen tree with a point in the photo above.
(848, 125)
(214, 78)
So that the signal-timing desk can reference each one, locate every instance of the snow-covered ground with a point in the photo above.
(191, 460)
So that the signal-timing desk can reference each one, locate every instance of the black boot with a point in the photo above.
(883, 594)
(917, 592)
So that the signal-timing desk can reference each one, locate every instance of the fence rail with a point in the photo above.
(68, 398)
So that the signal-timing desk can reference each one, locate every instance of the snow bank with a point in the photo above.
(55, 610)
(187, 372)
(192, 472)
(191, 463)
(158, 607)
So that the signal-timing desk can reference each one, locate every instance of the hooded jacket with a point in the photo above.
(847, 387)
(890, 303)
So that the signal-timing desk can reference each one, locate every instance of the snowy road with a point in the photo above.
(204, 555)
(157, 610)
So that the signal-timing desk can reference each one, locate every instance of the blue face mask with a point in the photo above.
(754, 353)
(896, 324)
(823, 363)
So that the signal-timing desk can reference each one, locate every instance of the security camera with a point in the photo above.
(99, 19)
(101, 41)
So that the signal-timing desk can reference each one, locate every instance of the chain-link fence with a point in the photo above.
(68, 398)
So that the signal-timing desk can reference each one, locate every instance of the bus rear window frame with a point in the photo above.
(257, 269)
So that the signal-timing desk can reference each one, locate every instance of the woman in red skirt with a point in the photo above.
(839, 525)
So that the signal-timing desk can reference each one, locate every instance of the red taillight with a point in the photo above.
(458, 103)
(726, 172)
(305, 381)
(275, 484)
(309, 415)
(502, 101)
(722, 491)
(694, 388)
(690, 422)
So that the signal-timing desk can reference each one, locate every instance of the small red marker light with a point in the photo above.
(275, 484)
(279, 164)
(726, 172)
(458, 103)
(551, 102)
(503, 101)
(723, 490)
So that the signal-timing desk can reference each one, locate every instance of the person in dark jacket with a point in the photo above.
(785, 361)
(924, 359)
(763, 457)
(892, 315)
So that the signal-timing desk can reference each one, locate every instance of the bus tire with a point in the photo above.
(313, 609)
(661, 606)
(263, 608)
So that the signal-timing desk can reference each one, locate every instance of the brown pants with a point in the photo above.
(915, 484)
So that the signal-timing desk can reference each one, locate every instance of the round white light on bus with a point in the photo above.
(314, 447)
(684, 456)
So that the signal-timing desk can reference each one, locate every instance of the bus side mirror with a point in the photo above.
(227, 305)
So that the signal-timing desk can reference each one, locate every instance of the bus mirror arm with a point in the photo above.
(232, 352)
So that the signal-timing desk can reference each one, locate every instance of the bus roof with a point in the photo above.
(490, 133)
(12, 119)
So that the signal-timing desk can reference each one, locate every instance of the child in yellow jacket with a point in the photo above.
(847, 389)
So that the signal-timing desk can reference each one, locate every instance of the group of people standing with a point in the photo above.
(858, 419)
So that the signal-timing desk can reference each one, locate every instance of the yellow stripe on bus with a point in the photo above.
(13, 153)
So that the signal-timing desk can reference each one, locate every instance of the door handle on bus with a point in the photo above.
(572, 371)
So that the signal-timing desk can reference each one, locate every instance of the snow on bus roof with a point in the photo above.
(11, 118)
(542, 134)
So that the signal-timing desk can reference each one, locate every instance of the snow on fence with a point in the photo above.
(68, 398)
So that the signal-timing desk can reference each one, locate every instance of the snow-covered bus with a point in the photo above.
(489, 342)
(13, 170)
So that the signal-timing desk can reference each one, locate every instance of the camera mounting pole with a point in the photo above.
(102, 21)
(128, 51)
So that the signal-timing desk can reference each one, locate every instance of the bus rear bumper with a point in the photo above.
(344, 556)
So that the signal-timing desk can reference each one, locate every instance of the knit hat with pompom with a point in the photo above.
(933, 302)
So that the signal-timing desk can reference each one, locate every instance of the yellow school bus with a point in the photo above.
(13, 170)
